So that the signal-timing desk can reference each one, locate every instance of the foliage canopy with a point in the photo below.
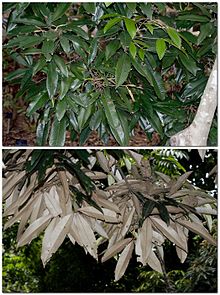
(110, 66)
(109, 198)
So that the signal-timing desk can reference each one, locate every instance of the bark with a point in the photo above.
(197, 133)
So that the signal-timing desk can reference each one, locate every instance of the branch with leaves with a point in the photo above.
(98, 197)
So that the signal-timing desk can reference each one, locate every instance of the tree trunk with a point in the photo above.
(197, 133)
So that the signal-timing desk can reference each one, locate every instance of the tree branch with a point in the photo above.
(197, 133)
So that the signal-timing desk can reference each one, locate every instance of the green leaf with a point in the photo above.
(61, 108)
(52, 79)
(122, 69)
(42, 133)
(65, 44)
(193, 18)
(188, 63)
(131, 6)
(141, 53)
(61, 65)
(142, 70)
(65, 86)
(83, 116)
(205, 31)
(150, 28)
(112, 118)
(175, 37)
(60, 10)
(58, 132)
(151, 115)
(15, 75)
(111, 23)
(130, 26)
(160, 48)
(95, 120)
(38, 102)
(147, 9)
(111, 48)
(133, 49)
(30, 21)
(48, 47)
(164, 214)
(148, 207)
(125, 39)
(89, 7)
(93, 51)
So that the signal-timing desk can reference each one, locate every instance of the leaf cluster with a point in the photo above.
(107, 67)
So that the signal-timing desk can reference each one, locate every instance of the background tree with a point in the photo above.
(88, 177)
(110, 67)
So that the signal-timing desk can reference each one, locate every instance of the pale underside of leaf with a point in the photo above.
(108, 216)
(123, 261)
(52, 204)
(34, 230)
(154, 262)
(180, 181)
(57, 236)
(198, 229)
(116, 248)
(168, 231)
(83, 234)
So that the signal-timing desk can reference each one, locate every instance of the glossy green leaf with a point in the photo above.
(125, 39)
(58, 132)
(30, 21)
(150, 28)
(193, 18)
(93, 51)
(65, 86)
(205, 31)
(148, 207)
(61, 108)
(161, 48)
(133, 49)
(111, 23)
(112, 118)
(38, 102)
(131, 27)
(48, 47)
(141, 53)
(164, 214)
(147, 9)
(61, 65)
(83, 116)
(111, 48)
(174, 36)
(15, 74)
(65, 44)
(60, 10)
(122, 69)
(52, 79)
(95, 120)
(142, 70)
(39, 65)
(189, 63)
(151, 115)
(42, 133)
